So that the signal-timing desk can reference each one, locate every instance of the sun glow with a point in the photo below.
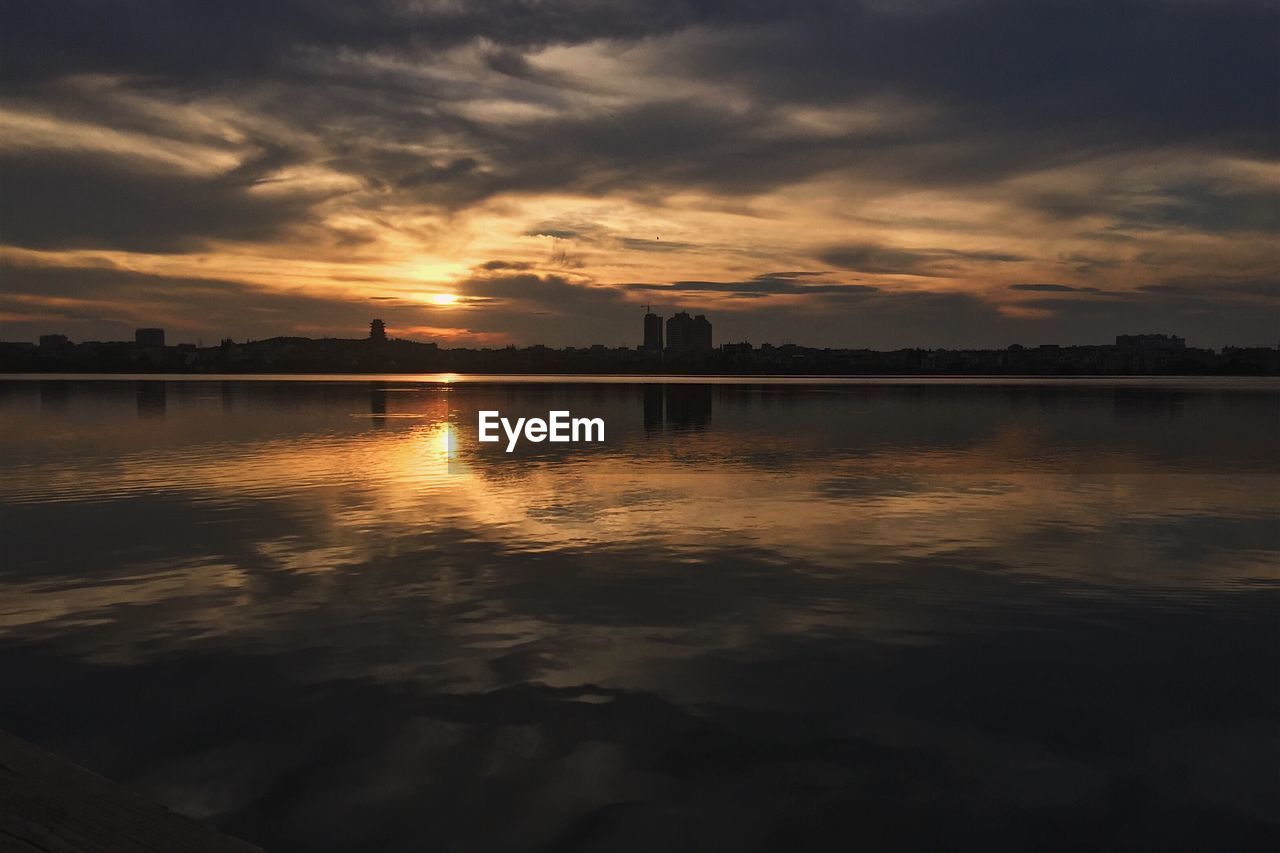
(444, 298)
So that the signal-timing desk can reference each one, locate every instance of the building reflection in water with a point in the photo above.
(688, 407)
(54, 394)
(653, 408)
(679, 407)
(152, 400)
(1143, 403)
(822, 590)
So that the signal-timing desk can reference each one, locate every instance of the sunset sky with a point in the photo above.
(920, 172)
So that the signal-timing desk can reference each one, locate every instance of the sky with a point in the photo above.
(941, 173)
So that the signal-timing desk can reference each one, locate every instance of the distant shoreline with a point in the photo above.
(1131, 355)
(447, 378)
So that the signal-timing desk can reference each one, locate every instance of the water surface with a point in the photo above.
(760, 616)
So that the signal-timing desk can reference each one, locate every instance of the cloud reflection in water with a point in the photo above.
(759, 617)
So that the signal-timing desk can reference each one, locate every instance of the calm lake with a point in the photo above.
(783, 615)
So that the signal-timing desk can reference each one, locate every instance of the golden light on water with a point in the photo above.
(446, 440)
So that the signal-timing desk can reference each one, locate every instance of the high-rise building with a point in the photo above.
(678, 332)
(1151, 342)
(48, 342)
(652, 332)
(700, 333)
(148, 337)
(377, 331)
(688, 334)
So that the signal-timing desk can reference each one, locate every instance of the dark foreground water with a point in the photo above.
(774, 616)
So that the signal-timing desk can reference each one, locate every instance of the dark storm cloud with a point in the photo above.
(1205, 208)
(1207, 318)
(1192, 206)
(1113, 72)
(759, 286)
(71, 300)
(554, 293)
(545, 308)
(457, 168)
(598, 235)
(644, 150)
(1085, 264)
(60, 200)
(1010, 88)
(1081, 98)
(556, 311)
(1256, 287)
(555, 233)
(873, 258)
(186, 306)
(528, 307)
(948, 93)
(1053, 288)
(193, 40)
(1210, 312)
(544, 290)
(1267, 289)
(1052, 82)
(655, 244)
(659, 144)
(1209, 315)
(505, 265)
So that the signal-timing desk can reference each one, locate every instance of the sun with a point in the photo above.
(444, 298)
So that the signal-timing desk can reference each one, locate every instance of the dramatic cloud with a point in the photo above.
(925, 262)
(554, 164)
(1052, 288)
(64, 202)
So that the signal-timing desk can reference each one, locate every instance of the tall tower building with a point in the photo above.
(688, 334)
(377, 331)
(700, 333)
(148, 337)
(652, 331)
(678, 332)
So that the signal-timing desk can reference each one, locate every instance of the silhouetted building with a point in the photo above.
(688, 334)
(1151, 342)
(652, 332)
(52, 342)
(13, 352)
(688, 407)
(678, 332)
(688, 346)
(700, 333)
(148, 337)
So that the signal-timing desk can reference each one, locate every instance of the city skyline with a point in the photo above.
(944, 173)
(654, 336)
(679, 345)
